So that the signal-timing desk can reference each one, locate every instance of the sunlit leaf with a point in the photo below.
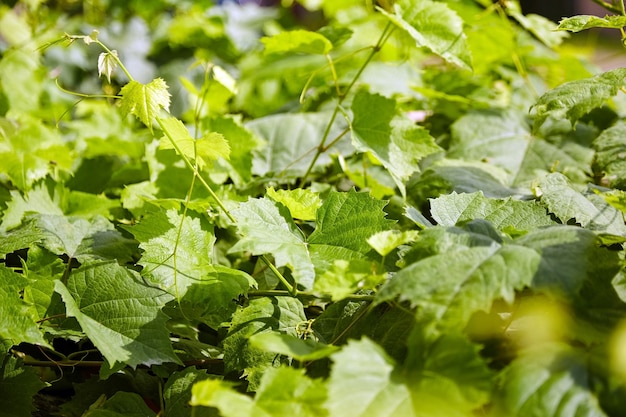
(145, 100)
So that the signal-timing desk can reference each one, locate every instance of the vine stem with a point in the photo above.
(341, 96)
(306, 294)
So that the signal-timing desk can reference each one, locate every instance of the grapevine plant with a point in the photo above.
(332, 208)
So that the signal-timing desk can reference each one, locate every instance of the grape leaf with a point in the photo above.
(549, 380)
(297, 41)
(177, 393)
(208, 148)
(177, 249)
(387, 240)
(582, 22)
(451, 209)
(145, 100)
(119, 313)
(122, 404)
(435, 26)
(344, 278)
(610, 147)
(574, 99)
(449, 289)
(18, 384)
(302, 203)
(282, 314)
(347, 220)
(267, 227)
(299, 349)
(283, 392)
(398, 143)
(590, 211)
(293, 138)
(21, 67)
(107, 63)
(18, 319)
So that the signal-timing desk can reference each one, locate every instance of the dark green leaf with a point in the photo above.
(18, 384)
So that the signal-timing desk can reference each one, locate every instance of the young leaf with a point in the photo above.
(302, 203)
(297, 41)
(107, 63)
(582, 22)
(574, 99)
(119, 313)
(451, 209)
(204, 151)
(268, 228)
(435, 26)
(295, 347)
(145, 100)
(347, 277)
(18, 384)
(387, 240)
(283, 392)
(398, 143)
(448, 290)
(177, 392)
(347, 220)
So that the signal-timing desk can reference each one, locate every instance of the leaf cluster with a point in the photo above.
(414, 209)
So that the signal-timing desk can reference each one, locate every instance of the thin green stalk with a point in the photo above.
(291, 289)
(195, 171)
(342, 96)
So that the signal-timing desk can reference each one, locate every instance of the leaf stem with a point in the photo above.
(307, 294)
(611, 7)
(292, 290)
(341, 96)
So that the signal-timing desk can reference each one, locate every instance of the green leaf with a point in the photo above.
(18, 384)
(284, 392)
(574, 99)
(122, 404)
(344, 278)
(177, 392)
(203, 151)
(449, 289)
(435, 26)
(242, 144)
(582, 22)
(347, 220)
(452, 209)
(177, 249)
(297, 41)
(387, 240)
(268, 228)
(590, 211)
(295, 347)
(302, 203)
(610, 147)
(544, 29)
(18, 319)
(294, 137)
(282, 314)
(119, 313)
(550, 380)
(145, 100)
(19, 67)
(398, 143)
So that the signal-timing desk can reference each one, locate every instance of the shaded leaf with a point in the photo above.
(449, 289)
(610, 160)
(119, 313)
(122, 404)
(177, 392)
(299, 349)
(18, 384)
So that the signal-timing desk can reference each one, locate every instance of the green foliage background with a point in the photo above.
(334, 208)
